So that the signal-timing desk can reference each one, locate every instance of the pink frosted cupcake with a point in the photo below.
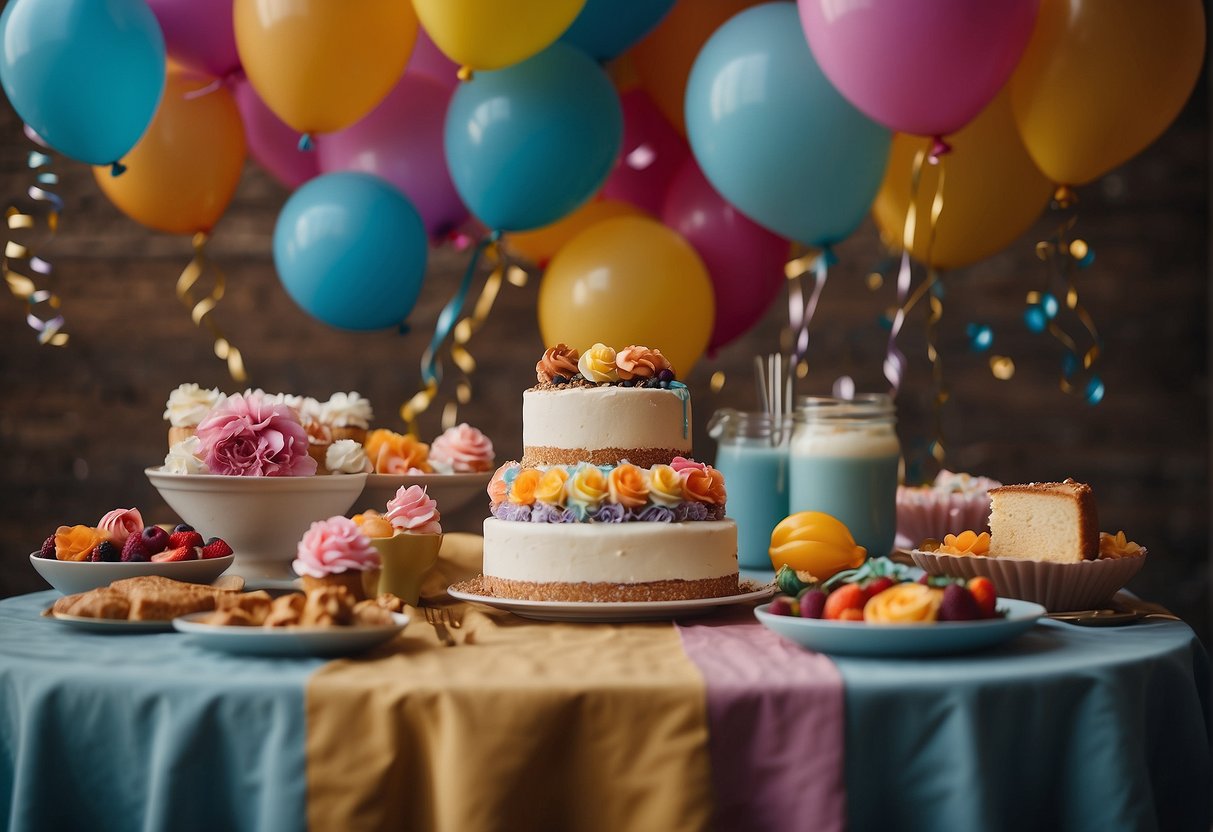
(952, 504)
(335, 552)
(413, 547)
(462, 449)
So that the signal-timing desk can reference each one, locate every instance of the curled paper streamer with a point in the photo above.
(200, 310)
(21, 260)
(800, 311)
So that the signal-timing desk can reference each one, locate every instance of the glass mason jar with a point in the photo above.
(752, 453)
(844, 461)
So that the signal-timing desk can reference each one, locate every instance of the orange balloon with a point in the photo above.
(663, 59)
(181, 175)
(539, 245)
(992, 191)
(1101, 80)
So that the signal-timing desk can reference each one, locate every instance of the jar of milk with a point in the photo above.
(844, 461)
(753, 456)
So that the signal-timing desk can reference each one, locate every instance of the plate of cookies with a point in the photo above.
(141, 604)
(323, 622)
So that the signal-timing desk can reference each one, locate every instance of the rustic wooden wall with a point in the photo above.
(79, 424)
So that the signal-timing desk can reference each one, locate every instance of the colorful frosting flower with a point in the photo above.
(345, 456)
(497, 488)
(347, 410)
(560, 360)
(551, 486)
(681, 463)
(546, 513)
(587, 488)
(1117, 546)
(522, 490)
(75, 542)
(640, 362)
(413, 510)
(697, 486)
(597, 364)
(120, 524)
(965, 543)
(333, 546)
(910, 603)
(462, 449)
(245, 436)
(717, 492)
(665, 486)
(628, 486)
(374, 524)
(610, 513)
(655, 514)
(189, 404)
(397, 453)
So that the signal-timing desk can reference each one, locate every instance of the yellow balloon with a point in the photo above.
(322, 65)
(629, 280)
(491, 34)
(181, 175)
(1101, 80)
(539, 245)
(992, 192)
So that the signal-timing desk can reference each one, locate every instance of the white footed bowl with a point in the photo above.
(452, 492)
(72, 576)
(261, 518)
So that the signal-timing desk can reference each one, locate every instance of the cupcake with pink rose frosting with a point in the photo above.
(335, 552)
(462, 449)
(412, 510)
(248, 435)
(955, 502)
(412, 549)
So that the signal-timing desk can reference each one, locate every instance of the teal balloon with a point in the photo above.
(774, 137)
(604, 29)
(86, 75)
(350, 249)
(528, 144)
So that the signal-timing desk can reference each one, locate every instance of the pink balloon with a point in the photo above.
(428, 60)
(199, 34)
(652, 153)
(401, 140)
(926, 67)
(744, 260)
(272, 142)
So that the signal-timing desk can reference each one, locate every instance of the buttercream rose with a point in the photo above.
(560, 360)
(551, 487)
(333, 546)
(697, 485)
(628, 486)
(587, 488)
(640, 362)
(462, 449)
(681, 463)
(413, 510)
(396, 453)
(597, 364)
(120, 524)
(522, 490)
(665, 486)
(245, 436)
(497, 487)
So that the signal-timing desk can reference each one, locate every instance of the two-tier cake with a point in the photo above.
(605, 504)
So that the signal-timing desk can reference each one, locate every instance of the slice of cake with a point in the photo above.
(1052, 521)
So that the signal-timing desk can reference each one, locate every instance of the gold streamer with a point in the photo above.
(18, 277)
(200, 309)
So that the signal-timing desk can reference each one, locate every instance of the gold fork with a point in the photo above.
(440, 619)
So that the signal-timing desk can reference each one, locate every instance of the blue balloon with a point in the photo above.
(774, 137)
(605, 29)
(528, 144)
(351, 250)
(86, 75)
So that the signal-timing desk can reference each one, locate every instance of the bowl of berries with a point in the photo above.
(79, 558)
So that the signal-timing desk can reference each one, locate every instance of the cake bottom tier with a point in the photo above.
(610, 561)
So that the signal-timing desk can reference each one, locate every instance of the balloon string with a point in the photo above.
(895, 360)
(935, 313)
(800, 311)
(24, 287)
(431, 367)
(200, 310)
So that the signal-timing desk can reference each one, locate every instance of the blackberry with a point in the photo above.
(183, 527)
(106, 552)
(48, 548)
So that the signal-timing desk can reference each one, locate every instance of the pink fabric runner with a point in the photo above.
(775, 727)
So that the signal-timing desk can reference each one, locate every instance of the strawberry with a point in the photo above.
(851, 614)
(846, 597)
(184, 538)
(958, 605)
(878, 585)
(48, 548)
(985, 595)
(178, 554)
(216, 548)
(135, 550)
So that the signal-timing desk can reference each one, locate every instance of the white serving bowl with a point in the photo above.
(72, 576)
(452, 492)
(261, 518)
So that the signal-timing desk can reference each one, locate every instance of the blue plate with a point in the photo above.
(854, 638)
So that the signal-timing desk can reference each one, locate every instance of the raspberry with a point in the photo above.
(135, 550)
(184, 538)
(216, 547)
(105, 552)
(178, 554)
(154, 539)
(48, 548)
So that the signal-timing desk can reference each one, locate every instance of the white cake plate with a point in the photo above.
(610, 611)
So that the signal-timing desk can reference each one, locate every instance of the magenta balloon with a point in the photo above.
(401, 140)
(199, 34)
(652, 153)
(744, 260)
(428, 60)
(271, 142)
(926, 67)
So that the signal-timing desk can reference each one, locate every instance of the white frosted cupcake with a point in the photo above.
(952, 504)
(185, 409)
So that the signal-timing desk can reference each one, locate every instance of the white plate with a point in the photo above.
(73, 576)
(855, 638)
(451, 491)
(287, 641)
(610, 611)
(109, 625)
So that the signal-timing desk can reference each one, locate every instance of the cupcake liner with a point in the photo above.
(1058, 587)
(922, 516)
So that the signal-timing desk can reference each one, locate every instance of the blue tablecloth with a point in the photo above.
(1066, 728)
